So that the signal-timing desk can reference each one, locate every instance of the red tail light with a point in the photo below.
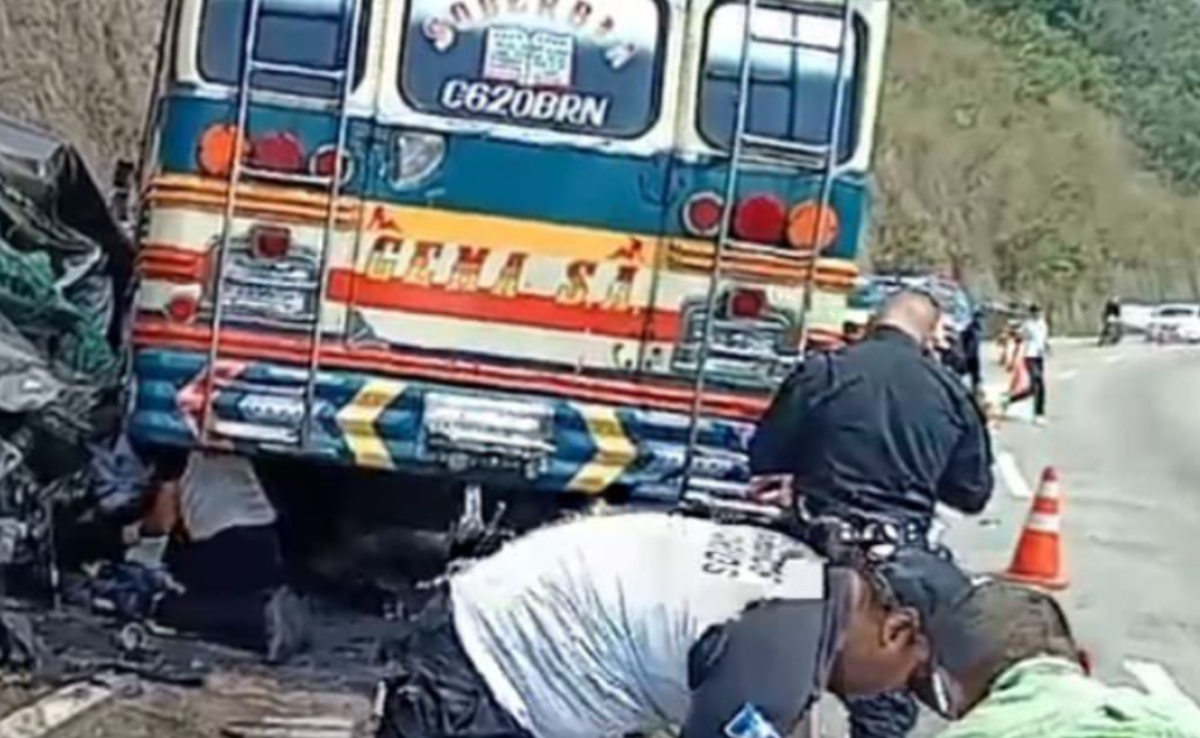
(270, 242)
(747, 303)
(325, 160)
(702, 214)
(278, 152)
(183, 308)
(761, 219)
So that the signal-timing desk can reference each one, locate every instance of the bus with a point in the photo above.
(568, 244)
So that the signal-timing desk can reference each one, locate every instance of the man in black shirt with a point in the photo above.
(878, 434)
(1110, 327)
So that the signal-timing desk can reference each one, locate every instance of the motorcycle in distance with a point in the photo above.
(1112, 332)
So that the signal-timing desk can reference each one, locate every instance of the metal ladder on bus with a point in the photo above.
(343, 79)
(748, 149)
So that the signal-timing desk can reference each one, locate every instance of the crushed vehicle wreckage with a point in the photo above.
(65, 279)
(69, 620)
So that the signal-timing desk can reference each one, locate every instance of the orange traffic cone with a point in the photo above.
(1014, 354)
(1039, 556)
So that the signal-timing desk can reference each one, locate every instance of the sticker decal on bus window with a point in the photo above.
(506, 58)
(539, 59)
(550, 56)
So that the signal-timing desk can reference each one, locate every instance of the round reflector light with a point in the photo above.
(216, 151)
(812, 226)
(748, 303)
(278, 152)
(270, 242)
(702, 214)
(325, 160)
(183, 308)
(760, 218)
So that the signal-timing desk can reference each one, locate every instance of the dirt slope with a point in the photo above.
(80, 67)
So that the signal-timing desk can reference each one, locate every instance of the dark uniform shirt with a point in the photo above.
(880, 428)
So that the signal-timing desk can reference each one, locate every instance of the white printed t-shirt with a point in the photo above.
(1035, 334)
(585, 629)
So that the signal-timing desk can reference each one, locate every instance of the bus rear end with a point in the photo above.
(478, 239)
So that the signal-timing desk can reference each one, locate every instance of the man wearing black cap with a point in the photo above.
(619, 624)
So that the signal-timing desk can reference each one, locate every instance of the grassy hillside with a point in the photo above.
(998, 161)
(80, 67)
(1019, 136)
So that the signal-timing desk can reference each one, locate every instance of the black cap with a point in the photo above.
(925, 581)
(934, 586)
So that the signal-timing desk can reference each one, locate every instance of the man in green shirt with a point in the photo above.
(1008, 667)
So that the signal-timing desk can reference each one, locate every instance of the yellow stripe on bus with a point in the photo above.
(358, 422)
(614, 450)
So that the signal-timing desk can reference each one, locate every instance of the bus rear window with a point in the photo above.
(792, 87)
(311, 33)
(578, 66)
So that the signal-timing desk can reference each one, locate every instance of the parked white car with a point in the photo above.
(1136, 317)
(1175, 322)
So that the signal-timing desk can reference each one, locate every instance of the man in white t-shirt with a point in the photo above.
(1035, 344)
(611, 625)
(224, 553)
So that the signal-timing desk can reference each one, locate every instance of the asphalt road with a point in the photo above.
(1124, 435)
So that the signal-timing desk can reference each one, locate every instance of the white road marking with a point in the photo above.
(1068, 374)
(1113, 358)
(46, 715)
(1155, 679)
(1010, 474)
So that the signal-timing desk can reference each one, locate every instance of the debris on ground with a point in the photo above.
(255, 705)
(290, 727)
(50, 713)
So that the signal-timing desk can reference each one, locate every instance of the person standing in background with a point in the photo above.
(1035, 344)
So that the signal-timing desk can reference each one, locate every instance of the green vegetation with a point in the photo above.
(1045, 149)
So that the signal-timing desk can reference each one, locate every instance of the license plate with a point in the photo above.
(265, 300)
(479, 425)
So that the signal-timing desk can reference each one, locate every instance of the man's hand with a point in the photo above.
(773, 489)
